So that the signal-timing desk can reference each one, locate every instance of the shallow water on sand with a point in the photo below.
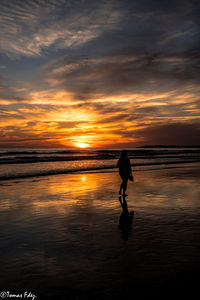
(62, 236)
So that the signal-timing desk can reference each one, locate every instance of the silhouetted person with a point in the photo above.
(126, 219)
(125, 172)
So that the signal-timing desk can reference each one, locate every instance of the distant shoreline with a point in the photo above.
(167, 146)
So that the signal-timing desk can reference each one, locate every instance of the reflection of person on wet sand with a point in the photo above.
(126, 219)
(125, 172)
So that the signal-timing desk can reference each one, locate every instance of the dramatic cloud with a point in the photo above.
(106, 73)
(29, 27)
(185, 134)
(125, 72)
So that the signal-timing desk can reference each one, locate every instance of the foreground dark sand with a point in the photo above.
(60, 236)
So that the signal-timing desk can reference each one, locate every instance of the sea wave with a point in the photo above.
(39, 156)
(161, 164)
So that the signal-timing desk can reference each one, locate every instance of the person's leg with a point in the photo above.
(124, 185)
(121, 186)
(120, 190)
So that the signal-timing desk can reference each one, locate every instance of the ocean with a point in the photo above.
(24, 163)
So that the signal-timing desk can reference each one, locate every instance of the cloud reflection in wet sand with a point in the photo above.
(64, 236)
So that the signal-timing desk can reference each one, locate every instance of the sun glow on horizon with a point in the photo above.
(82, 145)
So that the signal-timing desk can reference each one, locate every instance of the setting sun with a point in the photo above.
(82, 145)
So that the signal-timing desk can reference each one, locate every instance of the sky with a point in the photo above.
(99, 74)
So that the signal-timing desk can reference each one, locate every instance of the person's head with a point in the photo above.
(124, 154)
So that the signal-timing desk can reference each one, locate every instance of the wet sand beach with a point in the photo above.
(61, 236)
